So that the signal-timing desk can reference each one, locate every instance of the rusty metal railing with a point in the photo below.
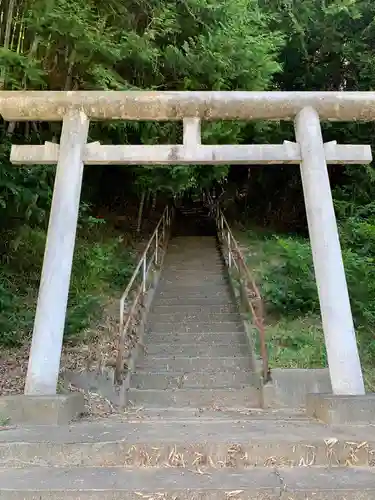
(132, 300)
(235, 260)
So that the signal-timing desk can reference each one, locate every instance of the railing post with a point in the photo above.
(342, 351)
(144, 274)
(229, 251)
(156, 247)
(45, 352)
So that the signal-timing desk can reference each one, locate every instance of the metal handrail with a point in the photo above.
(156, 244)
(235, 258)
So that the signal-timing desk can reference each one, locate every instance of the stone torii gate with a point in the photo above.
(76, 109)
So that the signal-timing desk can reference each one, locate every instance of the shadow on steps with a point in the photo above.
(193, 219)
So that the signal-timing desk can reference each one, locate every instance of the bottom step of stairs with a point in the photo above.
(248, 397)
(115, 483)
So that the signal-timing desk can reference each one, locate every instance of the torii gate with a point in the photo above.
(76, 109)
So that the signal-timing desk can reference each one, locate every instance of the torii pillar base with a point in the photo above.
(341, 409)
(57, 409)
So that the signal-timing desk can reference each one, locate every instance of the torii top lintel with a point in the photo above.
(147, 105)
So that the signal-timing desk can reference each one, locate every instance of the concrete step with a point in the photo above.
(194, 350)
(194, 309)
(198, 249)
(221, 398)
(191, 317)
(198, 252)
(281, 416)
(221, 300)
(194, 277)
(214, 380)
(190, 243)
(158, 326)
(159, 443)
(195, 338)
(112, 483)
(193, 293)
(209, 255)
(203, 265)
(191, 271)
(181, 264)
(182, 364)
(199, 280)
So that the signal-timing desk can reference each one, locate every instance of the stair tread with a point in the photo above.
(194, 338)
(195, 327)
(190, 363)
(196, 396)
(172, 374)
(193, 379)
(109, 479)
(231, 430)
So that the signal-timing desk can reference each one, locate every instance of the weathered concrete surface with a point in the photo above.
(148, 105)
(196, 309)
(327, 484)
(123, 483)
(291, 385)
(58, 409)
(223, 299)
(45, 352)
(342, 409)
(208, 414)
(227, 443)
(195, 327)
(115, 483)
(99, 382)
(214, 379)
(210, 338)
(201, 349)
(248, 397)
(254, 154)
(192, 364)
(340, 339)
(203, 316)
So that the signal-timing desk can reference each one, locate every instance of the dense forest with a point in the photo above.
(188, 45)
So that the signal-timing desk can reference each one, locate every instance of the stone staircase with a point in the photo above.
(194, 429)
(196, 352)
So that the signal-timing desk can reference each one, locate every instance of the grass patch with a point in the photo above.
(284, 271)
(102, 266)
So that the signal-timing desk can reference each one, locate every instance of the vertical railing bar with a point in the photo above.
(144, 274)
(156, 246)
(229, 251)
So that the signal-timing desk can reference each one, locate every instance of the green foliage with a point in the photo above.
(296, 343)
(284, 269)
(100, 269)
(289, 284)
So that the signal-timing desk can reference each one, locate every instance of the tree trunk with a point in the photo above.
(154, 197)
(8, 28)
(140, 211)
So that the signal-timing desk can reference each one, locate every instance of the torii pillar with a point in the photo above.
(45, 352)
(340, 339)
